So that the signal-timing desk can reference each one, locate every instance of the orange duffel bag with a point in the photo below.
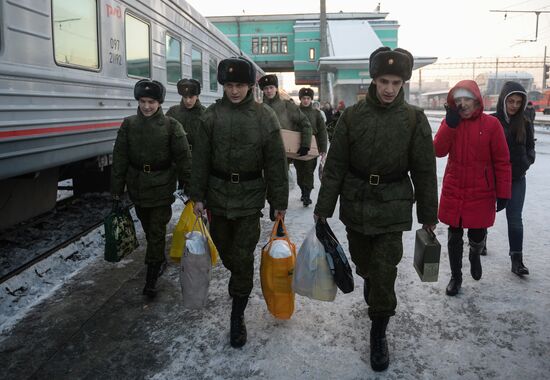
(276, 271)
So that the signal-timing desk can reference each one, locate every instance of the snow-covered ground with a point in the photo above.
(496, 328)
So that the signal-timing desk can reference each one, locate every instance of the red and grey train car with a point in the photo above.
(67, 72)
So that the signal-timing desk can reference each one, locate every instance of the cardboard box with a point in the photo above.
(427, 251)
(291, 140)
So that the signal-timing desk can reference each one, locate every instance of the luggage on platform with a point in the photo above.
(120, 235)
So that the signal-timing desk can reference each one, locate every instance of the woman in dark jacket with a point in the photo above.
(519, 133)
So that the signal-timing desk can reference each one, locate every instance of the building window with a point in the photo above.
(312, 54)
(196, 65)
(284, 45)
(213, 75)
(138, 56)
(274, 45)
(255, 45)
(265, 45)
(173, 59)
(75, 33)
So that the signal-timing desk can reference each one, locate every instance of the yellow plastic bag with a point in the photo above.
(276, 275)
(185, 225)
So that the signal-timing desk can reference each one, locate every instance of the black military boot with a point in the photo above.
(150, 289)
(475, 260)
(455, 246)
(306, 200)
(517, 264)
(238, 328)
(379, 354)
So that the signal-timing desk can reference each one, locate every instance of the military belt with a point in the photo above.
(377, 179)
(147, 168)
(236, 177)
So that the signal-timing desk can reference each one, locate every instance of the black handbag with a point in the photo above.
(337, 260)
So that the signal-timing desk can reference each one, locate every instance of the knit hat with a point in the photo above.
(384, 61)
(268, 80)
(305, 91)
(236, 69)
(463, 93)
(150, 89)
(189, 87)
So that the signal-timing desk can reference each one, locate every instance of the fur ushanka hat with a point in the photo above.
(150, 89)
(238, 70)
(189, 87)
(268, 80)
(305, 91)
(384, 61)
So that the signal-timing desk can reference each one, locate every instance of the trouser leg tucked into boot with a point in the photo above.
(306, 200)
(517, 264)
(366, 290)
(150, 289)
(379, 354)
(455, 246)
(475, 260)
(238, 328)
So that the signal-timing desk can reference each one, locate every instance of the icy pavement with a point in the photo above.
(496, 328)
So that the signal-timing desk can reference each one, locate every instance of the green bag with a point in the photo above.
(120, 235)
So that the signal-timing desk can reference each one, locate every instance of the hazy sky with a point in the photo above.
(456, 29)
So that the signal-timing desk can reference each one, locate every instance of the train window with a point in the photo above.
(75, 37)
(284, 45)
(255, 45)
(173, 59)
(213, 74)
(138, 57)
(274, 45)
(265, 45)
(196, 64)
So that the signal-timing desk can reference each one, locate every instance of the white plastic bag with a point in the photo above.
(195, 271)
(280, 249)
(312, 277)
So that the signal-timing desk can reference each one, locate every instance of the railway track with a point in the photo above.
(26, 244)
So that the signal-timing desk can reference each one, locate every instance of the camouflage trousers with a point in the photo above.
(304, 173)
(376, 258)
(236, 240)
(154, 220)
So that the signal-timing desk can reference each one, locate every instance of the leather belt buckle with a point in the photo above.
(374, 179)
(235, 178)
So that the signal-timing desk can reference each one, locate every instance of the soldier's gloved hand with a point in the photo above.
(452, 117)
(302, 151)
(501, 204)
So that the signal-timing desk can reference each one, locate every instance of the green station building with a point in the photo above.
(285, 43)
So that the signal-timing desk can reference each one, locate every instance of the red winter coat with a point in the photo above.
(478, 168)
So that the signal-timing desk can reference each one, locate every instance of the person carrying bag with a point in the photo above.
(276, 270)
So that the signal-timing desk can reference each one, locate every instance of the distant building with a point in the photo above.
(280, 43)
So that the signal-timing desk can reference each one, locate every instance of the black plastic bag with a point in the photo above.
(337, 260)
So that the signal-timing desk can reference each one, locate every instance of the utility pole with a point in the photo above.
(324, 92)
(535, 12)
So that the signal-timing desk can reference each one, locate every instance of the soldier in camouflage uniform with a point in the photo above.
(190, 110)
(289, 114)
(238, 158)
(305, 169)
(378, 142)
(150, 156)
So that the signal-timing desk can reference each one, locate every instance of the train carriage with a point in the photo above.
(67, 72)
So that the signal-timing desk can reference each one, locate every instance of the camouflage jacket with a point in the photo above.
(190, 119)
(150, 156)
(318, 127)
(385, 140)
(291, 118)
(237, 139)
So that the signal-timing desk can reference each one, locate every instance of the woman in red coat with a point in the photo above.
(477, 175)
